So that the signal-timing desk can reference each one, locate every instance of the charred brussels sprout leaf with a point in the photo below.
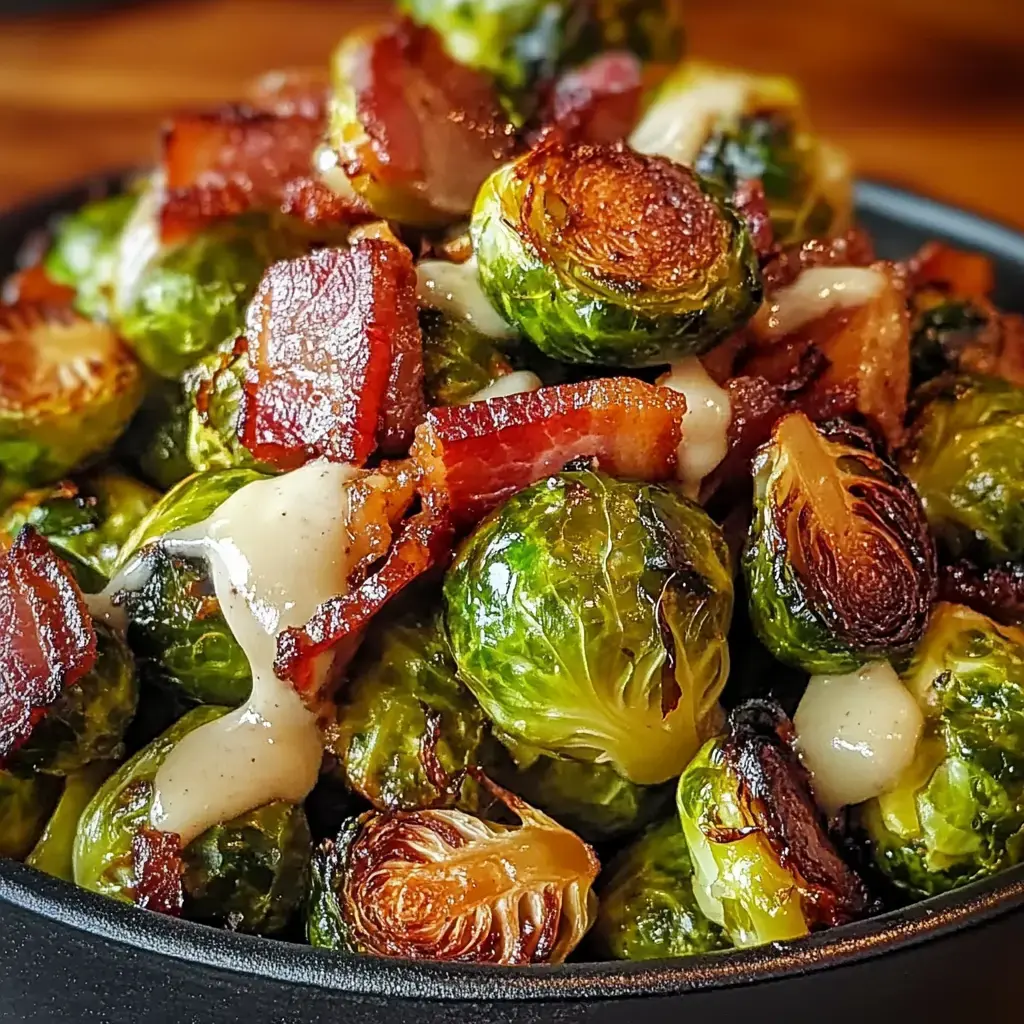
(840, 567)
(443, 885)
(589, 617)
(647, 908)
(249, 873)
(87, 523)
(155, 443)
(88, 721)
(966, 459)
(764, 867)
(405, 710)
(650, 29)
(54, 852)
(600, 255)
(958, 813)
(68, 388)
(194, 296)
(85, 252)
(459, 360)
(25, 804)
(943, 332)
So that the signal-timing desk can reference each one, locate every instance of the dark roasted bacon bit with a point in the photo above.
(967, 275)
(477, 455)
(997, 591)
(423, 542)
(47, 641)
(752, 204)
(777, 792)
(433, 127)
(334, 353)
(158, 870)
(237, 159)
(854, 249)
(598, 102)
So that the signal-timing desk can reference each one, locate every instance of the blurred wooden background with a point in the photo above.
(926, 93)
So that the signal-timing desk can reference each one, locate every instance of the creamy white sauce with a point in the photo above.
(139, 244)
(516, 383)
(679, 121)
(705, 440)
(815, 293)
(857, 734)
(454, 289)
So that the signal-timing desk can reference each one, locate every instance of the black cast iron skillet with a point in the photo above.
(70, 956)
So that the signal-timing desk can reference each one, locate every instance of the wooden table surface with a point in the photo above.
(926, 93)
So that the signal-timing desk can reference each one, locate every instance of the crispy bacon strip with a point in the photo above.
(479, 454)
(334, 353)
(230, 161)
(423, 542)
(158, 870)
(47, 640)
(752, 203)
(35, 287)
(969, 275)
(854, 249)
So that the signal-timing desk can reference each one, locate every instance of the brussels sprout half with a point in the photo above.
(68, 388)
(88, 720)
(958, 813)
(840, 567)
(406, 726)
(87, 523)
(966, 459)
(86, 250)
(175, 626)
(248, 873)
(589, 616)
(943, 334)
(647, 908)
(601, 255)
(459, 360)
(26, 802)
(156, 441)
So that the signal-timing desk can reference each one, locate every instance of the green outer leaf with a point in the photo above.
(403, 671)
(458, 359)
(26, 802)
(578, 321)
(326, 927)
(647, 908)
(54, 852)
(552, 611)
(155, 441)
(966, 460)
(88, 720)
(249, 873)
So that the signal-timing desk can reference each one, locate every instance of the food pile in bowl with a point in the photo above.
(490, 504)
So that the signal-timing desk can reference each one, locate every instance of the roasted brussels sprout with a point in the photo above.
(966, 459)
(54, 852)
(764, 867)
(26, 802)
(443, 885)
(589, 615)
(840, 567)
(958, 813)
(85, 252)
(68, 388)
(248, 873)
(175, 626)
(601, 255)
(593, 800)
(459, 361)
(407, 727)
(647, 907)
(733, 126)
(156, 441)
(193, 296)
(87, 523)
(944, 332)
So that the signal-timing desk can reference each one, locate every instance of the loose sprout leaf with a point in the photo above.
(48, 642)
(443, 885)
(158, 871)
(222, 164)
(480, 454)
(415, 132)
(333, 347)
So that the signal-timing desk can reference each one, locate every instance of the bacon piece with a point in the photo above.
(434, 129)
(752, 204)
(854, 249)
(969, 275)
(334, 353)
(477, 455)
(996, 591)
(598, 102)
(34, 286)
(225, 163)
(423, 542)
(47, 642)
(292, 92)
(158, 870)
